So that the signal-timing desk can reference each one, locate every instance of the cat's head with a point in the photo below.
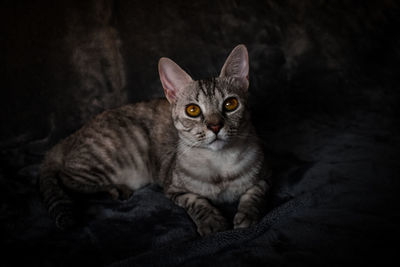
(209, 113)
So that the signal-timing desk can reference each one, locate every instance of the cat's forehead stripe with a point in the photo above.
(208, 88)
(200, 83)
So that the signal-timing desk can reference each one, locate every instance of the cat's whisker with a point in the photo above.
(188, 147)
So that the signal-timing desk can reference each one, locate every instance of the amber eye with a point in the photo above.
(193, 110)
(231, 104)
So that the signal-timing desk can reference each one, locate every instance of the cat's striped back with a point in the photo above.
(115, 153)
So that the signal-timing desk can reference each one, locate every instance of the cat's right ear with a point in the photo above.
(237, 65)
(172, 77)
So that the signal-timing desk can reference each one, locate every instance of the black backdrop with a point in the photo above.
(324, 97)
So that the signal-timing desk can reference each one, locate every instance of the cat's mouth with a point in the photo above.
(217, 143)
(215, 139)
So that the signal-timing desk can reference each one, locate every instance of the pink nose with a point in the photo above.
(215, 127)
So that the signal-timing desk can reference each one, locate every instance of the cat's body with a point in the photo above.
(199, 146)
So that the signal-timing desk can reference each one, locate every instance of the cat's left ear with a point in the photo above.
(237, 65)
(172, 77)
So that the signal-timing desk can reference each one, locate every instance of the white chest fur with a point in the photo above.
(222, 176)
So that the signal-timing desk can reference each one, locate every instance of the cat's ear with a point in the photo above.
(237, 65)
(172, 77)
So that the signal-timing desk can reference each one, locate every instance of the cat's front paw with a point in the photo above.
(120, 192)
(243, 220)
(66, 220)
(211, 224)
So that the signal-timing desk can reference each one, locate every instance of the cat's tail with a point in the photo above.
(57, 201)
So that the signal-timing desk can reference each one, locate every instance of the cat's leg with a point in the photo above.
(206, 217)
(61, 206)
(77, 183)
(251, 205)
(123, 192)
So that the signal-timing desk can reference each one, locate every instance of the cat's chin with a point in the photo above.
(217, 145)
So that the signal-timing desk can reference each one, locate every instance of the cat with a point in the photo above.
(198, 144)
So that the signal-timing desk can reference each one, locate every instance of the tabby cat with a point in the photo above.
(198, 144)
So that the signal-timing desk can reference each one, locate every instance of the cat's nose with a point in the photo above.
(215, 127)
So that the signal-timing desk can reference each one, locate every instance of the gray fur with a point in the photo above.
(126, 148)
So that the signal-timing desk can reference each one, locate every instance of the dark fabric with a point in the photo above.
(324, 94)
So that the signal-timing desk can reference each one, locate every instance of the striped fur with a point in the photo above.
(126, 148)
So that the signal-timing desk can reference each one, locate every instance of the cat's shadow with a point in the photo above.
(287, 171)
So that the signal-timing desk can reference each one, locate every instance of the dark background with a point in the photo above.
(324, 96)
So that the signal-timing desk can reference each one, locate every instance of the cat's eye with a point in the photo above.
(193, 110)
(231, 104)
